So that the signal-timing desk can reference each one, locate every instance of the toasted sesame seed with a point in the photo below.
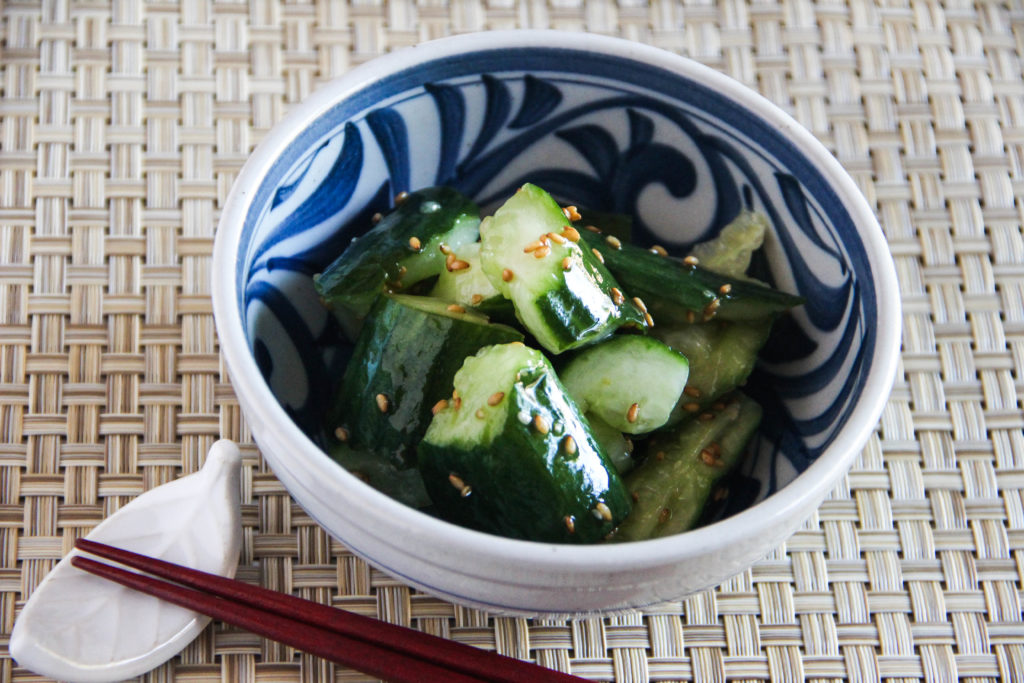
(658, 249)
(691, 316)
(635, 496)
(466, 490)
(402, 270)
(414, 243)
(495, 398)
(613, 242)
(720, 494)
(533, 246)
(341, 434)
(639, 303)
(401, 197)
(377, 218)
(569, 444)
(439, 406)
(542, 252)
(592, 228)
(692, 392)
(649, 320)
(570, 523)
(691, 407)
(602, 511)
(629, 445)
(444, 248)
(664, 515)
(725, 289)
(719, 406)
(477, 298)
(571, 213)
(458, 402)
(691, 261)
(480, 413)
(457, 264)
(660, 455)
(599, 255)
(707, 456)
(555, 237)
(566, 263)
(570, 233)
(540, 424)
(706, 417)
(633, 412)
(455, 393)
(616, 294)
(382, 402)
(456, 481)
(507, 275)
(455, 308)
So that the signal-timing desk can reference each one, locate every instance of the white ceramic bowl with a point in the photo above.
(609, 124)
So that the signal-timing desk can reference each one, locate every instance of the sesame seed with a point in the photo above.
(456, 481)
(523, 417)
(658, 249)
(592, 228)
(401, 197)
(444, 248)
(691, 407)
(402, 270)
(455, 308)
(707, 457)
(706, 417)
(691, 316)
(691, 261)
(635, 496)
(341, 434)
(414, 243)
(569, 444)
(477, 298)
(457, 264)
(692, 392)
(540, 424)
(555, 237)
(649, 320)
(639, 303)
(572, 213)
(458, 402)
(377, 218)
(617, 297)
(570, 233)
(664, 515)
(720, 494)
(719, 406)
(566, 263)
(660, 455)
(613, 242)
(629, 445)
(382, 403)
(455, 393)
(466, 490)
(570, 523)
(495, 398)
(725, 289)
(599, 255)
(533, 246)
(602, 511)
(542, 252)
(480, 413)
(439, 406)
(507, 275)
(633, 411)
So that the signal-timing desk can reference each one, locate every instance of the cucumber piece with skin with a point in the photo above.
(614, 443)
(403, 483)
(632, 382)
(404, 248)
(512, 455)
(730, 252)
(722, 355)
(672, 485)
(402, 365)
(682, 292)
(562, 293)
(467, 285)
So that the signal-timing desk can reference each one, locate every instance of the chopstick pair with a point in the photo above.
(391, 652)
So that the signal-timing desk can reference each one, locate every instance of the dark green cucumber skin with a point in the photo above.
(570, 318)
(524, 483)
(671, 487)
(410, 356)
(722, 355)
(372, 261)
(665, 284)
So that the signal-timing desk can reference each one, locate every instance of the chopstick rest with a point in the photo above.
(80, 627)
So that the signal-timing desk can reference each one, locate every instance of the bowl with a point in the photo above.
(608, 124)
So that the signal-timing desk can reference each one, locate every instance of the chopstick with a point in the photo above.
(388, 651)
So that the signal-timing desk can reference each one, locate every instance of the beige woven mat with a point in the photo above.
(123, 124)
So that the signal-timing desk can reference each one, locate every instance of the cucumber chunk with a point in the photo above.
(672, 485)
(401, 250)
(730, 252)
(722, 355)
(404, 484)
(402, 365)
(674, 290)
(511, 454)
(562, 293)
(630, 381)
(467, 285)
(614, 443)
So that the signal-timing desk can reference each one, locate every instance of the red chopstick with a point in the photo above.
(374, 647)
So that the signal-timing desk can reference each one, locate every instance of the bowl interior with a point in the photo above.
(599, 131)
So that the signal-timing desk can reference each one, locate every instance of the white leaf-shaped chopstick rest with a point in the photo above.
(79, 627)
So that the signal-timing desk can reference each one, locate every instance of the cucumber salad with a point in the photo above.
(534, 374)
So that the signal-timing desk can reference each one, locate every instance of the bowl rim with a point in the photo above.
(748, 525)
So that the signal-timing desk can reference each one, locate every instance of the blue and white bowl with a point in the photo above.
(603, 123)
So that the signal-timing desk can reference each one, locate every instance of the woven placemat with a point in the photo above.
(123, 125)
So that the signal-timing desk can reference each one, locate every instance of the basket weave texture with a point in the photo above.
(123, 125)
